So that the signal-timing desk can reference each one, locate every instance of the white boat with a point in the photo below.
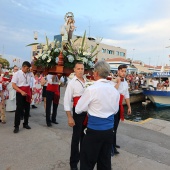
(159, 98)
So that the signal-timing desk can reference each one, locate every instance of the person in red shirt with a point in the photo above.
(166, 84)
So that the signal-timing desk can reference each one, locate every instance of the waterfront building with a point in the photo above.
(115, 62)
(159, 69)
(166, 68)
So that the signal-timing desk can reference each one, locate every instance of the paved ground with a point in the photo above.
(143, 146)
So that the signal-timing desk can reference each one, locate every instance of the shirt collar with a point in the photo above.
(103, 80)
(75, 78)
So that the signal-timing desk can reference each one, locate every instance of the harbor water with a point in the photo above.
(141, 112)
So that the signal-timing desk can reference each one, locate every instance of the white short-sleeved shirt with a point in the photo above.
(74, 88)
(100, 99)
(22, 79)
(155, 82)
(49, 79)
(123, 89)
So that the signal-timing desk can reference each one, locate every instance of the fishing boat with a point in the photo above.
(161, 97)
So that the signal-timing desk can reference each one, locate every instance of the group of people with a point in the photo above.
(94, 115)
(135, 81)
(23, 82)
(8, 93)
(158, 84)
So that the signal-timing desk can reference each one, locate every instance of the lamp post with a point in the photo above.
(60, 57)
(62, 31)
(149, 62)
(168, 55)
(98, 40)
(133, 54)
(35, 35)
(34, 47)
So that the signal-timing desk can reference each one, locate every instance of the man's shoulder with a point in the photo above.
(73, 80)
(16, 74)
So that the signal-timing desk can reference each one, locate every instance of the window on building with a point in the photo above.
(109, 51)
(122, 54)
(103, 50)
(117, 52)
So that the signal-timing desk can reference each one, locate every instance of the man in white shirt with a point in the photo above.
(21, 83)
(154, 83)
(74, 91)
(52, 96)
(122, 87)
(101, 101)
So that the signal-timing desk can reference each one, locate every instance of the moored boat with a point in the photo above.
(161, 97)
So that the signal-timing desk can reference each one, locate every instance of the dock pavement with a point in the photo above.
(144, 145)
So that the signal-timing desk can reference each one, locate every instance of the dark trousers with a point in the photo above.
(22, 105)
(49, 101)
(116, 124)
(96, 148)
(77, 137)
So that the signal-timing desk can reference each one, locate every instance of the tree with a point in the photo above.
(4, 62)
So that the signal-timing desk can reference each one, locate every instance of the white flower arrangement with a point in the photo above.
(70, 58)
(72, 53)
(79, 52)
(49, 56)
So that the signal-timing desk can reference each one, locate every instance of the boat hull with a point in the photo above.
(159, 98)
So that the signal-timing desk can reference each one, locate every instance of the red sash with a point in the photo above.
(54, 88)
(121, 108)
(75, 100)
(27, 90)
(56, 97)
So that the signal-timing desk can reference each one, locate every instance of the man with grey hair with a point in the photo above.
(101, 101)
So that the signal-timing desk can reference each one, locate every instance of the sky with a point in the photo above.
(142, 27)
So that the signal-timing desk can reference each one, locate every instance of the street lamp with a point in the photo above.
(62, 30)
(98, 40)
(149, 62)
(35, 35)
(168, 55)
(34, 47)
(133, 54)
(61, 57)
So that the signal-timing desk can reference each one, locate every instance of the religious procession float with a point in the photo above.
(60, 57)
